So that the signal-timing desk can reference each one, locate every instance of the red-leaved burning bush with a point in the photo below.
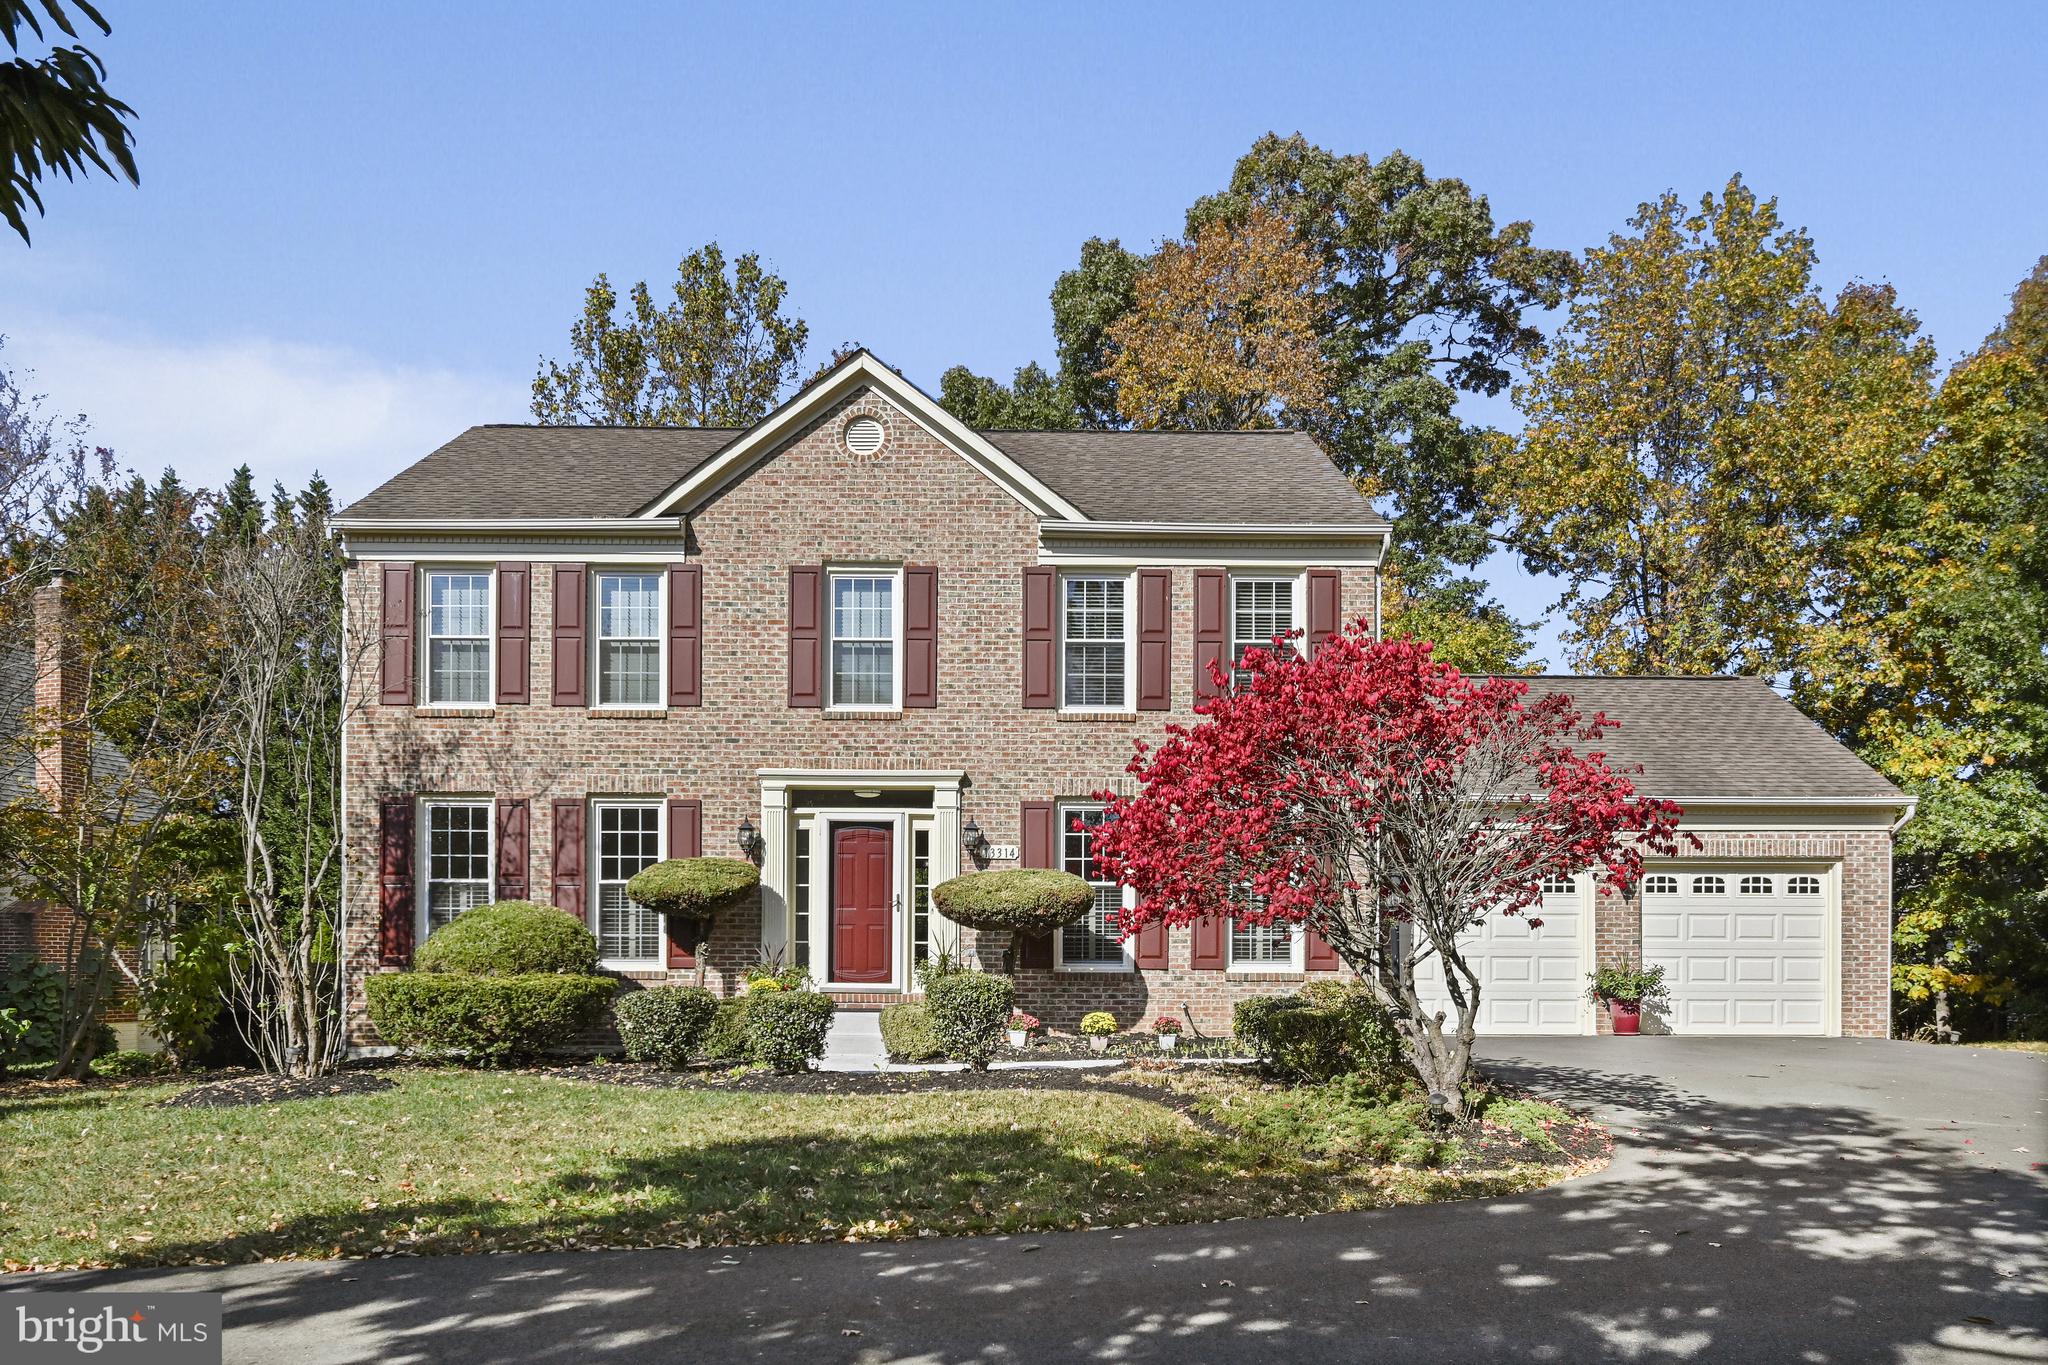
(1369, 789)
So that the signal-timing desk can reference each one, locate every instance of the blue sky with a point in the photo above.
(359, 227)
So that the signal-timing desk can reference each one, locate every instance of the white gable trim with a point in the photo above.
(860, 370)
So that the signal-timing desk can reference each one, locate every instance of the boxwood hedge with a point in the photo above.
(665, 1025)
(510, 938)
(908, 1033)
(969, 1012)
(786, 1029)
(492, 1020)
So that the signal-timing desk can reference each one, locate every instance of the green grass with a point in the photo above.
(2019, 1045)
(454, 1161)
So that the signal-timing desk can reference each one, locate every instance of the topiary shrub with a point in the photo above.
(969, 1011)
(510, 938)
(665, 1025)
(694, 888)
(127, 1063)
(492, 1020)
(786, 1029)
(908, 1033)
(1024, 900)
(1330, 1029)
(725, 1041)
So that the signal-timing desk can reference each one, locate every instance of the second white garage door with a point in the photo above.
(1744, 949)
(1530, 980)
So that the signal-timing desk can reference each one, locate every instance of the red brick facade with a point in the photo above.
(915, 502)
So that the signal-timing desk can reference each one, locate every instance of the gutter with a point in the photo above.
(632, 526)
(1265, 531)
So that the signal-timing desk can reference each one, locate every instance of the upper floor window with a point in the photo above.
(1260, 608)
(458, 837)
(628, 842)
(458, 653)
(629, 639)
(1095, 643)
(864, 623)
(1095, 942)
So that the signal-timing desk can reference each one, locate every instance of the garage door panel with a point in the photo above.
(1530, 978)
(1743, 949)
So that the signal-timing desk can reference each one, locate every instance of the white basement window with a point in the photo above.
(629, 639)
(458, 629)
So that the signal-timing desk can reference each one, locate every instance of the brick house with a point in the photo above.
(872, 648)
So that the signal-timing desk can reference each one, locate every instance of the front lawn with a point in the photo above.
(450, 1161)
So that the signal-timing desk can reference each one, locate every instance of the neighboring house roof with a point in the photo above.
(1720, 738)
(18, 759)
(1221, 478)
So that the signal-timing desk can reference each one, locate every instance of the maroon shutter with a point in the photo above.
(686, 635)
(1209, 943)
(920, 637)
(515, 634)
(807, 636)
(685, 840)
(1325, 616)
(1040, 625)
(572, 637)
(1039, 840)
(1320, 956)
(1152, 947)
(394, 655)
(514, 818)
(1155, 640)
(1212, 627)
(396, 909)
(572, 887)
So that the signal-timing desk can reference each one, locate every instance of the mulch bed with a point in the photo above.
(260, 1089)
(1049, 1046)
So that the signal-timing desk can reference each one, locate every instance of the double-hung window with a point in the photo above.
(628, 841)
(629, 639)
(1095, 621)
(458, 839)
(1260, 608)
(1263, 947)
(864, 621)
(1093, 943)
(458, 653)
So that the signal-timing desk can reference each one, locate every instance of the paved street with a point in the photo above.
(1770, 1200)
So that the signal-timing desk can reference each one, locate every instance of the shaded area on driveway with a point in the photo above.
(1780, 1200)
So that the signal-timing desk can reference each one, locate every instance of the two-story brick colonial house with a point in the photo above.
(873, 648)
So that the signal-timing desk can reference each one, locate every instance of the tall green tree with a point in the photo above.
(55, 112)
(719, 353)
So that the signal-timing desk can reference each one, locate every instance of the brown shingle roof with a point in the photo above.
(1726, 738)
(1202, 478)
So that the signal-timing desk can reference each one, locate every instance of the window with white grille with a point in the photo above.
(1756, 886)
(1709, 886)
(1095, 623)
(1260, 609)
(863, 621)
(1660, 884)
(628, 842)
(629, 640)
(458, 859)
(1558, 886)
(1802, 886)
(458, 630)
(1093, 942)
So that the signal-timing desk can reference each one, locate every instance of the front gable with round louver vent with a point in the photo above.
(863, 436)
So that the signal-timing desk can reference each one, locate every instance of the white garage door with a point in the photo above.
(1744, 949)
(1530, 980)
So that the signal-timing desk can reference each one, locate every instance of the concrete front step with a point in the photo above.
(854, 1042)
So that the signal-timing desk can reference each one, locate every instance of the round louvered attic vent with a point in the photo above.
(863, 436)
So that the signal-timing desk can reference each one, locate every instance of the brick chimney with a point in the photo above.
(65, 748)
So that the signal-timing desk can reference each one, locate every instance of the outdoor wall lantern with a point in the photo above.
(751, 842)
(974, 841)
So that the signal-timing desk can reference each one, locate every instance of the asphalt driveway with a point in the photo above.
(1771, 1200)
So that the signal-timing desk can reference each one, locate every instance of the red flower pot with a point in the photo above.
(1625, 1015)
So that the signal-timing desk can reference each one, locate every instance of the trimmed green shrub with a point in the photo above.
(1024, 900)
(969, 1011)
(665, 1025)
(510, 938)
(128, 1062)
(908, 1033)
(1330, 1029)
(694, 888)
(786, 1029)
(725, 1041)
(494, 1020)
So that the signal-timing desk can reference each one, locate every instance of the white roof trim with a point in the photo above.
(857, 371)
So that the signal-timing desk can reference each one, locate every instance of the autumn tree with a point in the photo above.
(719, 354)
(1689, 430)
(1387, 802)
(1225, 331)
(56, 114)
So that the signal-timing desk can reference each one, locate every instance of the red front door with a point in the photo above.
(863, 901)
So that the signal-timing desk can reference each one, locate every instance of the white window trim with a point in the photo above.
(1130, 704)
(425, 619)
(1297, 955)
(423, 839)
(889, 571)
(1061, 813)
(1298, 578)
(659, 962)
(595, 615)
